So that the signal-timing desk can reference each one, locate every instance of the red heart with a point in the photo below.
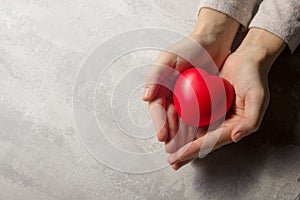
(201, 98)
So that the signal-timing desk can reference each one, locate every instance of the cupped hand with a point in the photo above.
(251, 100)
(161, 78)
(247, 70)
(208, 46)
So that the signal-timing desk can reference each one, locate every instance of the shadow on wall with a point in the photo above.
(234, 171)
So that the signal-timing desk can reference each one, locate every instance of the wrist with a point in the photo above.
(216, 28)
(262, 46)
(215, 31)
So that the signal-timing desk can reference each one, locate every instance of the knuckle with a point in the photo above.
(180, 63)
(161, 136)
(172, 112)
(164, 57)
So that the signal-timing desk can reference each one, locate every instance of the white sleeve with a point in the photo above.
(280, 17)
(240, 10)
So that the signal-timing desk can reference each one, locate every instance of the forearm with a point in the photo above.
(263, 46)
(218, 26)
(282, 18)
(240, 10)
(215, 31)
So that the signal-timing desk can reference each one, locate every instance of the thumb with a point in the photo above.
(150, 91)
(255, 107)
(160, 69)
(153, 81)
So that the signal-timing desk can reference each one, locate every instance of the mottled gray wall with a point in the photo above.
(42, 46)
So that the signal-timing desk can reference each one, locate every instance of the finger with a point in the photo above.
(181, 135)
(184, 135)
(178, 165)
(188, 151)
(203, 145)
(156, 77)
(177, 141)
(172, 119)
(191, 134)
(150, 91)
(217, 138)
(255, 107)
(158, 115)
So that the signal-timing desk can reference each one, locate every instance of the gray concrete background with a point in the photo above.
(42, 46)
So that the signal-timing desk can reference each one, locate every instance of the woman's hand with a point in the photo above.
(213, 34)
(247, 69)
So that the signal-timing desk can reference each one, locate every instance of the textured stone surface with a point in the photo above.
(42, 46)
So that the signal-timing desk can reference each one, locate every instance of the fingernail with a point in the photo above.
(238, 136)
(146, 92)
(175, 167)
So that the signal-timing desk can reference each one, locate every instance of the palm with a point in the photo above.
(177, 133)
(252, 96)
(251, 87)
(160, 82)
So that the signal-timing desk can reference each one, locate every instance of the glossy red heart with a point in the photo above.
(201, 98)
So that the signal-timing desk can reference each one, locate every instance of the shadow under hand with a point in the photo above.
(233, 171)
